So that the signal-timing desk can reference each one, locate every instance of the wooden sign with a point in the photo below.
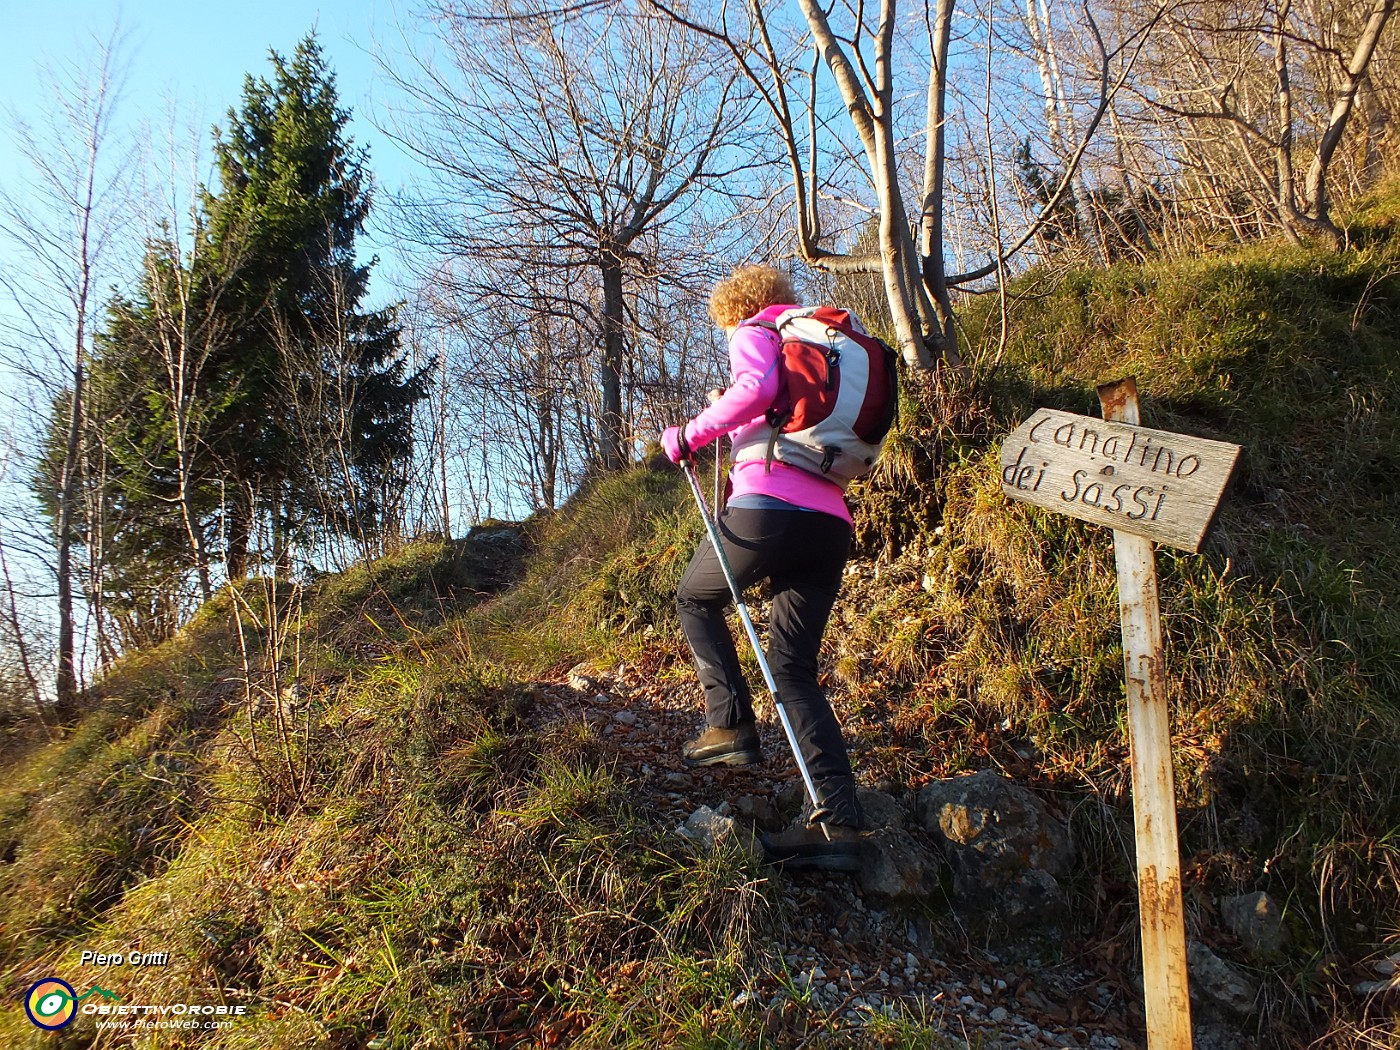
(1145, 485)
(1148, 482)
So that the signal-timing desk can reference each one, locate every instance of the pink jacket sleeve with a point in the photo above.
(753, 365)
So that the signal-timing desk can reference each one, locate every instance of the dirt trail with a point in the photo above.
(847, 958)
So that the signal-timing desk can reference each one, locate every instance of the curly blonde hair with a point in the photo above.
(747, 291)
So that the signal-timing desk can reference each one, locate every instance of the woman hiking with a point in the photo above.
(792, 527)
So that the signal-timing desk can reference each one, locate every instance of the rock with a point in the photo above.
(626, 718)
(881, 810)
(1388, 968)
(491, 557)
(1006, 851)
(582, 681)
(1367, 989)
(759, 810)
(998, 820)
(1032, 898)
(895, 867)
(1213, 1036)
(1218, 988)
(712, 830)
(1255, 919)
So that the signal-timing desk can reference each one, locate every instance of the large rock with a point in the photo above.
(881, 809)
(491, 557)
(1256, 920)
(1006, 851)
(1219, 990)
(895, 866)
(759, 811)
(1032, 898)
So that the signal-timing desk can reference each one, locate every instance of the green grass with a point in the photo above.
(398, 853)
(442, 862)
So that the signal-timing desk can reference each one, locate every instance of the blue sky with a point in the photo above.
(197, 49)
(190, 57)
(195, 55)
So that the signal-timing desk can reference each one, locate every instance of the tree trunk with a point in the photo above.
(190, 515)
(240, 530)
(282, 536)
(1319, 207)
(196, 538)
(1060, 124)
(21, 646)
(873, 121)
(548, 447)
(442, 446)
(66, 686)
(932, 267)
(611, 454)
(94, 460)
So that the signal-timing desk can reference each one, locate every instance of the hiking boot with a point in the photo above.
(731, 747)
(832, 838)
(816, 847)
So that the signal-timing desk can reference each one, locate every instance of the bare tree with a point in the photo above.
(184, 288)
(1060, 119)
(1344, 103)
(518, 360)
(17, 647)
(863, 56)
(64, 226)
(18, 641)
(1254, 101)
(576, 132)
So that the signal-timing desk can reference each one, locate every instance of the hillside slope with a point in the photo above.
(381, 811)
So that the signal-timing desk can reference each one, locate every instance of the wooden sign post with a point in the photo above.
(1145, 485)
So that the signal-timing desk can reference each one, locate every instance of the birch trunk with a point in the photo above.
(1319, 207)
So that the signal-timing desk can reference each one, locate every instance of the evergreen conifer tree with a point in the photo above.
(241, 384)
(318, 427)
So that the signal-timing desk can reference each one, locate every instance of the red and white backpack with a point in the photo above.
(838, 398)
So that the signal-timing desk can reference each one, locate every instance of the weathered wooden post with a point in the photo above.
(1165, 986)
(1145, 485)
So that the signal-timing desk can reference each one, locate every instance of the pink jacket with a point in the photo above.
(753, 365)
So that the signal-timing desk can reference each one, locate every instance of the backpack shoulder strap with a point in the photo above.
(774, 418)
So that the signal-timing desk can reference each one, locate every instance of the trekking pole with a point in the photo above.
(712, 528)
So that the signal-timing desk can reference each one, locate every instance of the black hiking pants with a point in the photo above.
(802, 553)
